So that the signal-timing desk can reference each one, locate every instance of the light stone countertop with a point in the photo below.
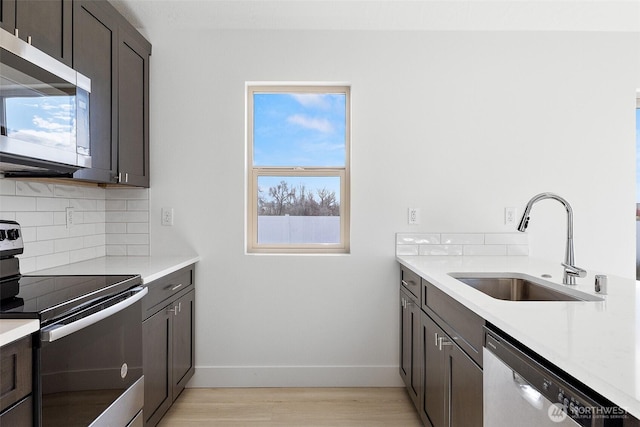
(149, 267)
(13, 329)
(596, 342)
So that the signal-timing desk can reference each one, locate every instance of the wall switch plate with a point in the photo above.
(70, 217)
(510, 216)
(167, 216)
(414, 216)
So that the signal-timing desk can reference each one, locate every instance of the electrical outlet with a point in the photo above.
(414, 216)
(69, 212)
(167, 216)
(510, 216)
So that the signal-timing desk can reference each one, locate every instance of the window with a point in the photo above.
(298, 168)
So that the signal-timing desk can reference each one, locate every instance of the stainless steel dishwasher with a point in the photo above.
(520, 389)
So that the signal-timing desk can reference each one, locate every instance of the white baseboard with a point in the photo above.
(296, 376)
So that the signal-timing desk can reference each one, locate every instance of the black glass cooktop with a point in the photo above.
(50, 297)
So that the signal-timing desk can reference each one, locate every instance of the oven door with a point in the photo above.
(91, 365)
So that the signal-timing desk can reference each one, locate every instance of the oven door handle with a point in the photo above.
(55, 332)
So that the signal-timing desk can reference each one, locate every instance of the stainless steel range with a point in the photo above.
(89, 357)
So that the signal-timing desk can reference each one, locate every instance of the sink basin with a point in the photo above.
(521, 287)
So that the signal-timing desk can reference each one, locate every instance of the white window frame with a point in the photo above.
(253, 172)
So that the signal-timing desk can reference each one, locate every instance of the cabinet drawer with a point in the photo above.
(165, 287)
(15, 372)
(462, 324)
(410, 280)
(20, 415)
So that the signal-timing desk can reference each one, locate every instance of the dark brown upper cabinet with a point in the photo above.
(115, 57)
(48, 24)
(95, 44)
(133, 108)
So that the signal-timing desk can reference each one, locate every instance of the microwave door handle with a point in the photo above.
(55, 332)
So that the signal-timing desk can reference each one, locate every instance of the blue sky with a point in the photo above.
(299, 129)
(45, 119)
(304, 129)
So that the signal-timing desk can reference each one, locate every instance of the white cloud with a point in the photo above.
(50, 125)
(321, 125)
(312, 99)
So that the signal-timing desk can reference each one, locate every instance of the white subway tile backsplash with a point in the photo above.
(518, 250)
(52, 232)
(18, 204)
(7, 187)
(115, 205)
(39, 248)
(436, 250)
(35, 218)
(457, 244)
(499, 250)
(506, 239)
(36, 189)
(462, 239)
(51, 204)
(69, 244)
(417, 238)
(138, 227)
(98, 213)
(54, 260)
(407, 250)
(115, 227)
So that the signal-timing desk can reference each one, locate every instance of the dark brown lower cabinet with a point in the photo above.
(411, 348)
(452, 381)
(16, 373)
(168, 342)
(440, 366)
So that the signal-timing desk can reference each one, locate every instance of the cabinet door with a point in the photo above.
(465, 389)
(157, 361)
(433, 407)
(183, 340)
(8, 15)
(20, 415)
(95, 55)
(405, 341)
(49, 23)
(411, 347)
(133, 110)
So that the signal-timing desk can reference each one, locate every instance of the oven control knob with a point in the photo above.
(560, 397)
(13, 234)
(3, 235)
(123, 370)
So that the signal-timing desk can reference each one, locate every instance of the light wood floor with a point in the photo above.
(300, 407)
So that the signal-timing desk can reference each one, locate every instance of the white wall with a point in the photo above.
(460, 124)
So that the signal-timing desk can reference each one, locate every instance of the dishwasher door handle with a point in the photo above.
(55, 332)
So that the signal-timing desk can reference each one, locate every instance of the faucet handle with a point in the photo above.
(574, 271)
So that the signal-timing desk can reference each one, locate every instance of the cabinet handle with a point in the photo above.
(126, 177)
(173, 310)
(404, 282)
(119, 176)
(16, 32)
(180, 307)
(176, 287)
(435, 335)
(442, 341)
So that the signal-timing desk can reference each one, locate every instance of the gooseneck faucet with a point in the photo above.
(570, 270)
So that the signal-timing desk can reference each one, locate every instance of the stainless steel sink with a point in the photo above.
(521, 287)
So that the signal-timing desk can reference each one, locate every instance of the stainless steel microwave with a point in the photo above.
(44, 112)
